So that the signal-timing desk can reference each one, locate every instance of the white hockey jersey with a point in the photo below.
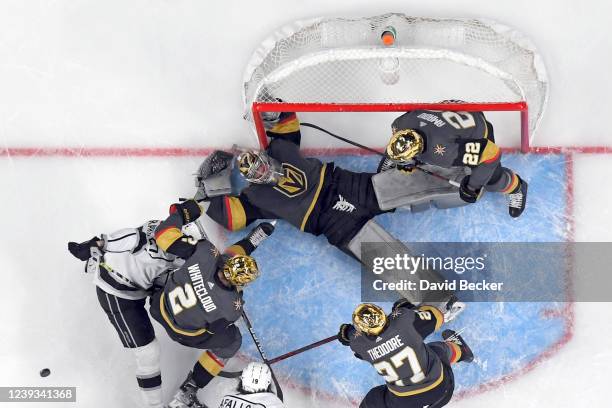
(130, 261)
(256, 400)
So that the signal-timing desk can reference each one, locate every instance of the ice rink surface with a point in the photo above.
(107, 108)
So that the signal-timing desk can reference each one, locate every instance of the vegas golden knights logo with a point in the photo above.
(293, 182)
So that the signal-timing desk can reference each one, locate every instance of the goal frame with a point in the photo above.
(258, 108)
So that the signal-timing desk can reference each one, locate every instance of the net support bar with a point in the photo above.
(259, 107)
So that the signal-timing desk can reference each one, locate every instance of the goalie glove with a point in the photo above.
(213, 176)
(214, 164)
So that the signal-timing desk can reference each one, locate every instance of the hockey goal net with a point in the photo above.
(342, 65)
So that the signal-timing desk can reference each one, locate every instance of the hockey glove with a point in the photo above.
(388, 164)
(82, 251)
(466, 193)
(343, 334)
(214, 175)
(189, 210)
(214, 164)
(271, 119)
(402, 303)
(406, 167)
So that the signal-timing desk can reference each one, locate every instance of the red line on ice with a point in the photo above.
(77, 152)
(194, 151)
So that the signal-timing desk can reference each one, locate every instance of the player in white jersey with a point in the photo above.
(254, 390)
(126, 264)
(131, 262)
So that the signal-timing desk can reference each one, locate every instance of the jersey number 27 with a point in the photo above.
(388, 369)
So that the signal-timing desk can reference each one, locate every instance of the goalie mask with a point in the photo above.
(369, 319)
(240, 270)
(256, 377)
(404, 145)
(259, 168)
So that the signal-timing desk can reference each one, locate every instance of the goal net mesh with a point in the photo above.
(339, 61)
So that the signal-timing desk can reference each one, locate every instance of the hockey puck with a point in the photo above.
(45, 372)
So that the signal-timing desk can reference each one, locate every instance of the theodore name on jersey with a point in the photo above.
(200, 289)
(385, 348)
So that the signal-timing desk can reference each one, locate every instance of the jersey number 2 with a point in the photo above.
(182, 298)
(388, 368)
(459, 120)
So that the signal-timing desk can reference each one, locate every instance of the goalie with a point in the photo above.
(451, 140)
(315, 197)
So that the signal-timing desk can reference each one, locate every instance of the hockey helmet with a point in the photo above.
(256, 377)
(369, 319)
(259, 168)
(240, 270)
(404, 145)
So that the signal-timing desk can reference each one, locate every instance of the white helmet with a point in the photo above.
(256, 377)
(259, 167)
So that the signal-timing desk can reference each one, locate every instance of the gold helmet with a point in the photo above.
(240, 270)
(369, 319)
(404, 145)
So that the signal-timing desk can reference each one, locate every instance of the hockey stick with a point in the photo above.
(303, 349)
(279, 391)
(369, 149)
(236, 374)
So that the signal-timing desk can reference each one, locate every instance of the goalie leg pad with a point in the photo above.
(418, 191)
(372, 232)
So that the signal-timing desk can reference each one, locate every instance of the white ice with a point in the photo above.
(162, 73)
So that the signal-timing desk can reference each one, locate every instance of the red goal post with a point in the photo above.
(344, 65)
